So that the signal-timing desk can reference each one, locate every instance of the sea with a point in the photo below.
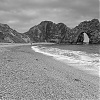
(83, 57)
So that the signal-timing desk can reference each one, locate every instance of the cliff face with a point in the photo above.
(91, 28)
(7, 34)
(48, 31)
(60, 33)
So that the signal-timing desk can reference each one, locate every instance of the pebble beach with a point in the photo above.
(28, 75)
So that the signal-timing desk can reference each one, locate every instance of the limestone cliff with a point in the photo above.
(48, 31)
(60, 33)
(91, 28)
(7, 34)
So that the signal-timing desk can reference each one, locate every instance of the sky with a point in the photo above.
(21, 15)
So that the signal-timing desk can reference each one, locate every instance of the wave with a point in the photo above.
(78, 59)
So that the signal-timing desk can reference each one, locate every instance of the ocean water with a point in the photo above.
(84, 57)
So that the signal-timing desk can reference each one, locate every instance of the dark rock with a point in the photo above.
(48, 31)
(37, 59)
(1, 35)
(1, 97)
(91, 28)
(7, 34)
(77, 80)
(60, 33)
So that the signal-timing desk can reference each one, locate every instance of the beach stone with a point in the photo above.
(22, 80)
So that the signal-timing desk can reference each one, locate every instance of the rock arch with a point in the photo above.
(83, 37)
(91, 28)
(60, 33)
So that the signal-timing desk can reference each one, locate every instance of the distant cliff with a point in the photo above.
(48, 31)
(91, 28)
(9, 35)
(60, 33)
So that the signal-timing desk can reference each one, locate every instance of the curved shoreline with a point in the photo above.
(68, 60)
(28, 74)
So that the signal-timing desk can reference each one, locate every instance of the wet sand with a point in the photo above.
(27, 75)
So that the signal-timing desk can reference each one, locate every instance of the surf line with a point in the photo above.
(76, 59)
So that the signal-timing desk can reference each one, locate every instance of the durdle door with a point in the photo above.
(60, 33)
(91, 28)
(51, 32)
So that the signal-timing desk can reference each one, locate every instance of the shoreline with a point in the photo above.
(21, 44)
(22, 67)
(63, 59)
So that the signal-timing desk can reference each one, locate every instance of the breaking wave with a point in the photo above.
(78, 59)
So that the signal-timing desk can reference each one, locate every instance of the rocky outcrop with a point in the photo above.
(7, 34)
(91, 28)
(60, 33)
(48, 31)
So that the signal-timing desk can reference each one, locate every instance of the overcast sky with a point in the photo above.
(23, 14)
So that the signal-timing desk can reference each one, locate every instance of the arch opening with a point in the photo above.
(86, 38)
(83, 38)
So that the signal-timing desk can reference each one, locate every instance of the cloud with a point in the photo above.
(12, 21)
(23, 14)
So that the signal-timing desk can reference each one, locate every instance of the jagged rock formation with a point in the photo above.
(7, 34)
(48, 31)
(60, 33)
(91, 28)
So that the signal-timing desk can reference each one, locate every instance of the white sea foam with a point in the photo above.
(77, 59)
